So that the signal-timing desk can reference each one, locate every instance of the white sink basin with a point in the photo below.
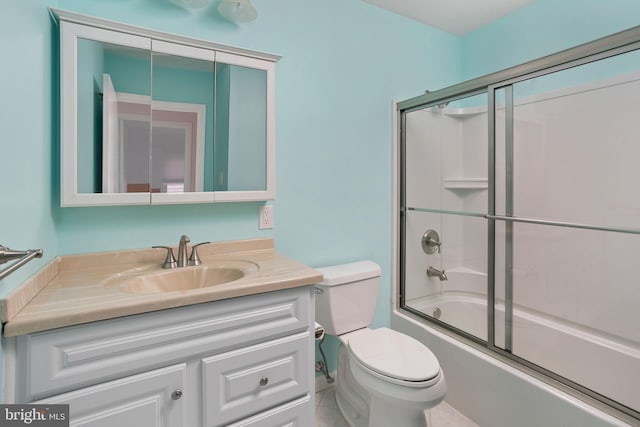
(181, 279)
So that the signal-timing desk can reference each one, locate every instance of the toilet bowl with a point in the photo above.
(385, 378)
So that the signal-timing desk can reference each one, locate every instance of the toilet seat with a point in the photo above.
(394, 356)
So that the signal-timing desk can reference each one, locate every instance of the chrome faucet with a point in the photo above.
(434, 272)
(183, 260)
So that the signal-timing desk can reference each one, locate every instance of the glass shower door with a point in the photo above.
(445, 200)
(520, 216)
(567, 228)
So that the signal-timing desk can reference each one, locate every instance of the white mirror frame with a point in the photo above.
(269, 67)
(74, 26)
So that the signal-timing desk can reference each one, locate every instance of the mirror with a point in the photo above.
(161, 122)
(182, 138)
(105, 122)
(241, 128)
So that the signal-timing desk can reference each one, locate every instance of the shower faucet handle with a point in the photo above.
(431, 242)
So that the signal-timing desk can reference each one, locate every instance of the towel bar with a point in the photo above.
(23, 257)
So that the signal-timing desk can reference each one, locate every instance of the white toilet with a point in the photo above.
(385, 378)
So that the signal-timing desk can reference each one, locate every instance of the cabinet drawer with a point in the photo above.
(298, 413)
(250, 380)
(69, 358)
(145, 399)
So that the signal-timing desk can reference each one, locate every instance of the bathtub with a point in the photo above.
(603, 364)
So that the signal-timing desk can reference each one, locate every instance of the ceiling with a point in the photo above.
(453, 16)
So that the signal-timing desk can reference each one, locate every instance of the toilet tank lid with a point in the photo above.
(347, 273)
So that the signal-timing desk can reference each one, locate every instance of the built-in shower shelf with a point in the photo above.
(463, 113)
(466, 183)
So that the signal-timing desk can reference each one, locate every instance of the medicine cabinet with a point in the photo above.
(154, 118)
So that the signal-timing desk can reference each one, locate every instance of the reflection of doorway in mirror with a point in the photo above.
(171, 159)
(133, 163)
(174, 150)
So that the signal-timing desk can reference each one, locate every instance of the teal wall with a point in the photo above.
(343, 62)
(543, 28)
(334, 86)
(28, 129)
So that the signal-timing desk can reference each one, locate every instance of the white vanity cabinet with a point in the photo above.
(148, 399)
(244, 361)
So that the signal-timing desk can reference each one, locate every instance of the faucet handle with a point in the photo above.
(170, 261)
(431, 242)
(194, 259)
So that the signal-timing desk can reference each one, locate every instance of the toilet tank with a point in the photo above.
(346, 298)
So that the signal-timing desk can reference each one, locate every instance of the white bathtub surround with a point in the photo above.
(494, 394)
(564, 264)
(540, 334)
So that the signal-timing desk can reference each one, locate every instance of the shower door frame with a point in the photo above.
(616, 44)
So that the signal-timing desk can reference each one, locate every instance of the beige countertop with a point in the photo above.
(85, 288)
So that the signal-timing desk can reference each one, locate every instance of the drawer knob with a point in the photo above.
(176, 395)
(264, 381)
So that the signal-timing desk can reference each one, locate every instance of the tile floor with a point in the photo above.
(328, 415)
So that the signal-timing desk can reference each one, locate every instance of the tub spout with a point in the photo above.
(434, 272)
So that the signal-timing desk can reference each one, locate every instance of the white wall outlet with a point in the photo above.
(265, 217)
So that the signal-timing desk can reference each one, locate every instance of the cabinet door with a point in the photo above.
(298, 413)
(96, 67)
(244, 145)
(97, 352)
(253, 379)
(148, 117)
(149, 399)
